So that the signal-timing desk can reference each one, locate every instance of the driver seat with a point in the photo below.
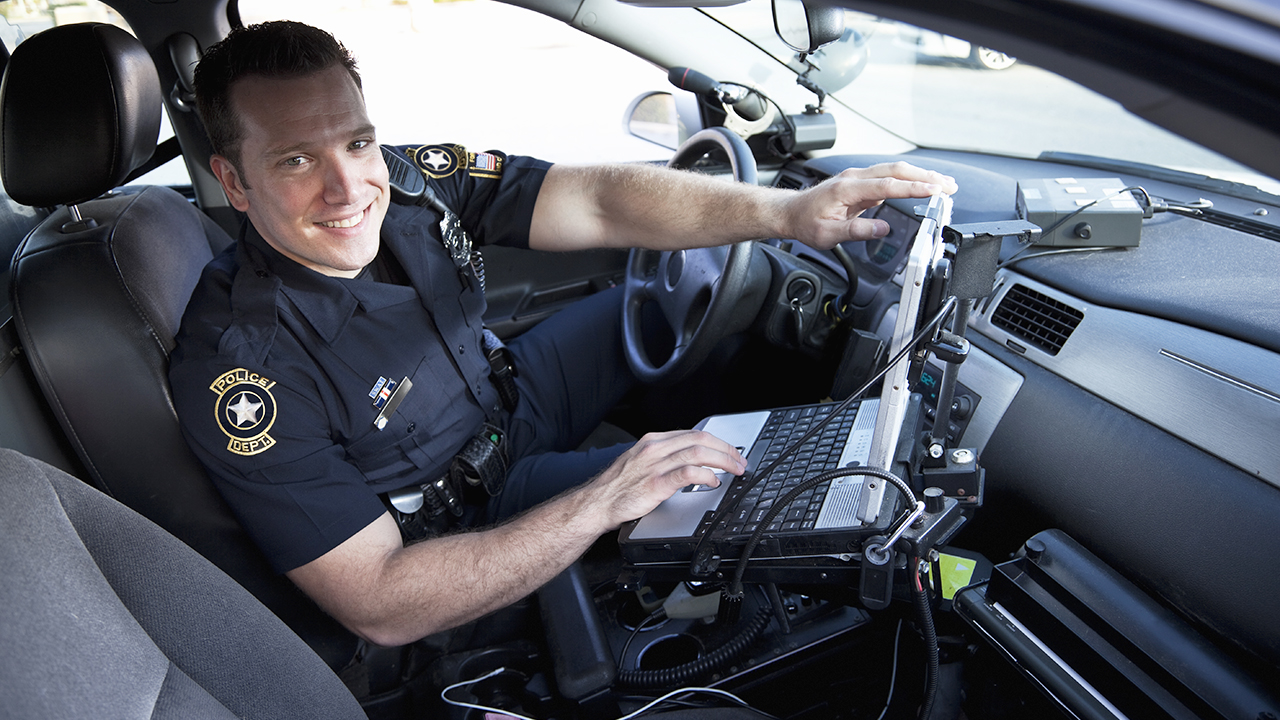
(99, 289)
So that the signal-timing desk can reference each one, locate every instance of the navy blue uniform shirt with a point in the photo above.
(279, 369)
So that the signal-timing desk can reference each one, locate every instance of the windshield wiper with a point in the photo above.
(1155, 172)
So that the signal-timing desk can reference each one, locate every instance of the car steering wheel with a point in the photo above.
(697, 290)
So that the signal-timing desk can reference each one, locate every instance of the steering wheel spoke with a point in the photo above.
(696, 289)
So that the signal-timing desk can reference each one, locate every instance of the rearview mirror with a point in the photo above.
(805, 28)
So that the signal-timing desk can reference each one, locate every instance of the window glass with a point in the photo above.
(485, 75)
(939, 91)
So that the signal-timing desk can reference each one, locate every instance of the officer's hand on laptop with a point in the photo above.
(657, 466)
(830, 213)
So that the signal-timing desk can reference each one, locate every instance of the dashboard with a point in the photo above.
(1128, 396)
(1174, 330)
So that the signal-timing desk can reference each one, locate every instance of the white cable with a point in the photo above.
(628, 716)
(482, 708)
(893, 676)
(682, 691)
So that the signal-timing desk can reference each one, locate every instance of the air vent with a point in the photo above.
(1036, 318)
(788, 182)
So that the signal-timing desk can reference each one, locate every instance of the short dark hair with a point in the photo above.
(276, 49)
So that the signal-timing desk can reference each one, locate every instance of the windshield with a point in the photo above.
(937, 91)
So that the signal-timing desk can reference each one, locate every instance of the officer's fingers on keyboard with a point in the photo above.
(690, 447)
(737, 464)
(710, 452)
(685, 475)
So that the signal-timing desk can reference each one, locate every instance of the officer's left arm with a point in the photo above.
(662, 209)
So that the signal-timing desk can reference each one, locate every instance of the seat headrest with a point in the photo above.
(79, 110)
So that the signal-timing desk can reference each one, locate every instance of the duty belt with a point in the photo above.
(431, 508)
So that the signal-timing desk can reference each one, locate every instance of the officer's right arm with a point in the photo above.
(391, 594)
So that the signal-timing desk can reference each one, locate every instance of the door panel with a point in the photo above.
(524, 287)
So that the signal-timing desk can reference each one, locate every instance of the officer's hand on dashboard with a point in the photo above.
(656, 467)
(830, 212)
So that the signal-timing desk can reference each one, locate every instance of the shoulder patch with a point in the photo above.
(245, 410)
(438, 161)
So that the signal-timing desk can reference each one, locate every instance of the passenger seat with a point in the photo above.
(107, 615)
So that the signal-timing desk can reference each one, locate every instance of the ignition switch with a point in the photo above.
(801, 291)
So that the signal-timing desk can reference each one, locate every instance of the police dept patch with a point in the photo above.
(245, 410)
(438, 161)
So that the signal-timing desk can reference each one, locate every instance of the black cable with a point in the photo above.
(844, 304)
(735, 587)
(1019, 257)
(714, 660)
(640, 627)
(701, 552)
(930, 640)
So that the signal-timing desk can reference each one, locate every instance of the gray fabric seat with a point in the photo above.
(107, 615)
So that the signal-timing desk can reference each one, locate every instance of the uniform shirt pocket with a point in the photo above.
(418, 443)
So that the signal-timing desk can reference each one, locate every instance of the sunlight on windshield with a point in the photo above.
(942, 92)
(952, 100)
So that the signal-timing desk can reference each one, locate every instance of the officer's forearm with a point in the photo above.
(659, 209)
(652, 207)
(395, 595)
(390, 594)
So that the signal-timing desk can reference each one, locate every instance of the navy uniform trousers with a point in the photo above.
(571, 373)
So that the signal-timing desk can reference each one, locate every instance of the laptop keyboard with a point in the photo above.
(824, 451)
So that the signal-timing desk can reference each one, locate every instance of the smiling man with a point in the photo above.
(333, 374)
(323, 212)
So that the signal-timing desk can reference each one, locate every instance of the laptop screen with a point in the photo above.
(925, 253)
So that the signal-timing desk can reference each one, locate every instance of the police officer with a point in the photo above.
(336, 352)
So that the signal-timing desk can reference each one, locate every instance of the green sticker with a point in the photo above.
(956, 573)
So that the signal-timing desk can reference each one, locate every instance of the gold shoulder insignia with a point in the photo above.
(245, 410)
(438, 161)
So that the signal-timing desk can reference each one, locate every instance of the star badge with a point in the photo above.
(245, 410)
(438, 161)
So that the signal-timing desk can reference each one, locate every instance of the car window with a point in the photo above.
(20, 19)
(939, 91)
(486, 75)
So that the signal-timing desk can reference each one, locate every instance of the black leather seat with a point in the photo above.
(107, 615)
(99, 289)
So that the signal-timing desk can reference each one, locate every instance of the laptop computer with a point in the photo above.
(832, 519)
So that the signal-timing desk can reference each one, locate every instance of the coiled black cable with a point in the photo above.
(688, 672)
(930, 640)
